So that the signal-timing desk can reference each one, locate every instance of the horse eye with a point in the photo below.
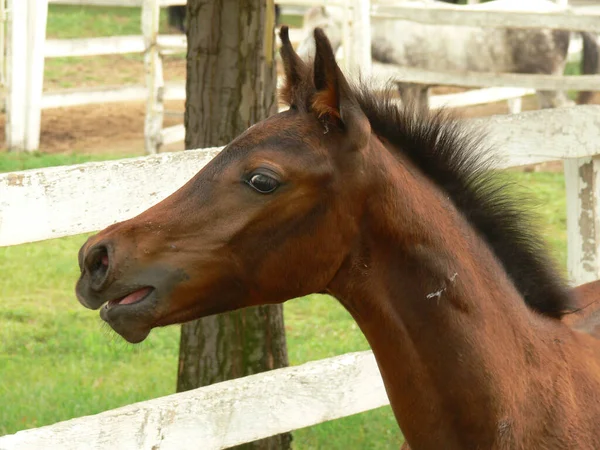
(263, 183)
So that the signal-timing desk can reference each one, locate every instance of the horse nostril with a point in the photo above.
(97, 264)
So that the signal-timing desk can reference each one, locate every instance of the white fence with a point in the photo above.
(27, 20)
(25, 100)
(60, 201)
(26, 36)
(224, 414)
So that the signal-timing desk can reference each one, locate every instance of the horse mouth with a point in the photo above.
(132, 298)
(132, 315)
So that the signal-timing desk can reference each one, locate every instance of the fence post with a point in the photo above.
(25, 68)
(3, 19)
(515, 105)
(582, 182)
(360, 40)
(38, 17)
(154, 76)
(16, 68)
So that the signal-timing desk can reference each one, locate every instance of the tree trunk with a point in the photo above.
(231, 84)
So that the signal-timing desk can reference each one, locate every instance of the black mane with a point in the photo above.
(446, 152)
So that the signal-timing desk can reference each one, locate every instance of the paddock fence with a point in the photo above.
(27, 19)
(356, 45)
(25, 97)
(62, 201)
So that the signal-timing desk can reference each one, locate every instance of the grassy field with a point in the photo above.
(57, 360)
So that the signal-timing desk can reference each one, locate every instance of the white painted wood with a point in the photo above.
(385, 72)
(174, 90)
(312, 2)
(17, 87)
(344, 55)
(360, 42)
(224, 414)
(172, 43)
(154, 77)
(3, 19)
(171, 135)
(37, 18)
(48, 203)
(25, 66)
(111, 45)
(539, 136)
(515, 105)
(77, 97)
(575, 47)
(477, 97)
(58, 201)
(521, 14)
(582, 182)
(126, 3)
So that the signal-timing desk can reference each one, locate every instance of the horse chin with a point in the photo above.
(133, 322)
(132, 335)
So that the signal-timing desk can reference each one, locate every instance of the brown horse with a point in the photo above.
(395, 215)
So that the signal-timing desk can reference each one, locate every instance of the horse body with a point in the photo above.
(395, 215)
(450, 385)
(460, 48)
(428, 309)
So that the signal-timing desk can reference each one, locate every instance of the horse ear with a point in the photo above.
(334, 99)
(295, 91)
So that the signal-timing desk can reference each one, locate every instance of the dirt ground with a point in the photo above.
(117, 128)
(114, 128)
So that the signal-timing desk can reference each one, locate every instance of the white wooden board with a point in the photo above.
(223, 414)
(386, 72)
(516, 14)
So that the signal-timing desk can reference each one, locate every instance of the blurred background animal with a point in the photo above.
(464, 48)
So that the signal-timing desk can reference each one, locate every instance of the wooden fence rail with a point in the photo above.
(223, 414)
(518, 14)
(477, 79)
(25, 99)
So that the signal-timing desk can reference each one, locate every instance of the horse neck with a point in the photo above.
(428, 294)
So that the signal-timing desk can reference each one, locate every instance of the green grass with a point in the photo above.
(58, 361)
(12, 162)
(71, 21)
(548, 201)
